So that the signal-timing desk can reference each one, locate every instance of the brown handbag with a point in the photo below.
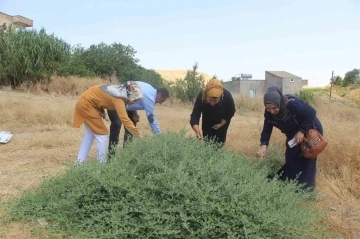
(313, 144)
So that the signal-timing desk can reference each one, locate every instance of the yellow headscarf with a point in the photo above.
(213, 89)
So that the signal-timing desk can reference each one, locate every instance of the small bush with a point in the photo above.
(188, 89)
(307, 96)
(273, 159)
(170, 187)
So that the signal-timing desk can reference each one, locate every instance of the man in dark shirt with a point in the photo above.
(217, 107)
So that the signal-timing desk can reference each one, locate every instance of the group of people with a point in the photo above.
(121, 102)
(215, 105)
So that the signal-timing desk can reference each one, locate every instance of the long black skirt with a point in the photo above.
(299, 168)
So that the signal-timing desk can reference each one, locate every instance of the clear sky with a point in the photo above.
(306, 38)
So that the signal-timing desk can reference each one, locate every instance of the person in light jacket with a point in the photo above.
(151, 96)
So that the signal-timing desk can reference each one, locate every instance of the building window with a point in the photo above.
(252, 93)
(292, 80)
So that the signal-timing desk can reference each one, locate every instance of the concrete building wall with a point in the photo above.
(232, 86)
(16, 21)
(292, 85)
(252, 88)
(305, 82)
(272, 80)
(255, 88)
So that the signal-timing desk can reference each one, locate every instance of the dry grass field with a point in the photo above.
(44, 141)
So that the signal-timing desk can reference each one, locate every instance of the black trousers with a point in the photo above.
(219, 136)
(115, 127)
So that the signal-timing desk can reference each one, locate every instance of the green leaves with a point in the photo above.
(30, 56)
(351, 77)
(306, 95)
(187, 89)
(169, 186)
(149, 76)
(337, 80)
(104, 60)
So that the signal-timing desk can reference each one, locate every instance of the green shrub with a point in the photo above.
(170, 187)
(28, 56)
(307, 96)
(188, 89)
(76, 65)
(273, 159)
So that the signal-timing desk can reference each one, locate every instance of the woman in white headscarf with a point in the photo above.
(293, 117)
(88, 111)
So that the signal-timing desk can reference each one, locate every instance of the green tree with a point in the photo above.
(351, 77)
(30, 56)
(76, 65)
(187, 89)
(337, 80)
(105, 60)
(150, 76)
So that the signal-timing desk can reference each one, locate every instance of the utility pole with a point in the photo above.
(331, 84)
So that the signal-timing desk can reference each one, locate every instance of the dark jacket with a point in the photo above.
(212, 115)
(302, 118)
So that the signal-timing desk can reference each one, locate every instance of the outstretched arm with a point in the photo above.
(195, 116)
(265, 138)
(124, 118)
(149, 109)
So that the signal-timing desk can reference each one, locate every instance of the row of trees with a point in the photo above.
(30, 56)
(104, 60)
(351, 77)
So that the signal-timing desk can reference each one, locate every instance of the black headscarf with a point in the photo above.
(274, 96)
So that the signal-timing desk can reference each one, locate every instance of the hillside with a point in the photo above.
(173, 75)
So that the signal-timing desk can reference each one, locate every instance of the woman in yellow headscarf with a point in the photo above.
(216, 105)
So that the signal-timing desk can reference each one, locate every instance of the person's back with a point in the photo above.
(151, 96)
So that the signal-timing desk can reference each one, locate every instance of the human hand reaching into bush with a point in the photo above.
(262, 151)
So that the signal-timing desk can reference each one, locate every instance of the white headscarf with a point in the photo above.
(130, 90)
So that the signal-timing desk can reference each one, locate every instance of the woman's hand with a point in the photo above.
(197, 130)
(104, 115)
(262, 151)
(221, 124)
(136, 117)
(217, 126)
(299, 137)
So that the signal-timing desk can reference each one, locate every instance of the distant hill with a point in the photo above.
(173, 75)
